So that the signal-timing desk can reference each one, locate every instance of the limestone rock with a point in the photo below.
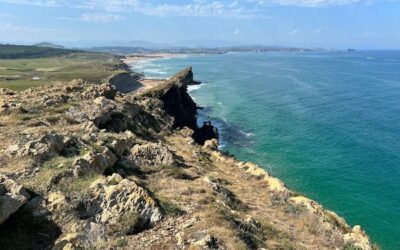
(106, 90)
(94, 162)
(211, 144)
(105, 114)
(83, 235)
(358, 238)
(119, 143)
(121, 204)
(151, 154)
(12, 197)
(49, 145)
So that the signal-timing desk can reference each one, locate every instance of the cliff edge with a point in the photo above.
(85, 166)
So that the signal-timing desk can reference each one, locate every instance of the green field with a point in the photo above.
(20, 74)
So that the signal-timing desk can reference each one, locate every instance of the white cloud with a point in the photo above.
(96, 17)
(203, 8)
(47, 3)
(294, 32)
(313, 3)
(11, 27)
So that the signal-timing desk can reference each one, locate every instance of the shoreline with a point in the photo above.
(354, 234)
(137, 58)
(146, 83)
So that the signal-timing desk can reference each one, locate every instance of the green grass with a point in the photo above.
(21, 51)
(19, 74)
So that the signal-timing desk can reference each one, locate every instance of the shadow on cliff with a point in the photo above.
(23, 230)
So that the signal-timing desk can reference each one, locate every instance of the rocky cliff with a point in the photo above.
(85, 166)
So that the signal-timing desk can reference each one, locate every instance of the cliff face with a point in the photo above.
(84, 166)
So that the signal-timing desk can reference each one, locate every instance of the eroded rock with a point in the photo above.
(12, 197)
(49, 145)
(94, 162)
(122, 205)
(358, 238)
(151, 154)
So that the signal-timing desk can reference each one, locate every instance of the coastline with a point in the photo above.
(146, 83)
(131, 165)
(355, 235)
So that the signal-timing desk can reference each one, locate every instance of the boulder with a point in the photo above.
(104, 113)
(12, 197)
(94, 162)
(83, 235)
(49, 145)
(151, 154)
(121, 204)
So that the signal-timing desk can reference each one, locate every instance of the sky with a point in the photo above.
(361, 24)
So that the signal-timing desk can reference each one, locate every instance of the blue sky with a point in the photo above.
(308, 23)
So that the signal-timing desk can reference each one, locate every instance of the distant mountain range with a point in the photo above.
(198, 50)
(49, 45)
(188, 46)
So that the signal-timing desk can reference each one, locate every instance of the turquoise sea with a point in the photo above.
(327, 124)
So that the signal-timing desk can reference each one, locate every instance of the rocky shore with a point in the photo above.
(84, 166)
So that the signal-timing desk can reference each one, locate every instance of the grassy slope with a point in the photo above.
(17, 74)
(21, 51)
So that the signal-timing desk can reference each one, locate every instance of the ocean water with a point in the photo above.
(327, 124)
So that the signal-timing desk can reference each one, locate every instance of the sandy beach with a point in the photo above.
(132, 59)
(146, 82)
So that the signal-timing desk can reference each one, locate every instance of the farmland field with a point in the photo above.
(20, 74)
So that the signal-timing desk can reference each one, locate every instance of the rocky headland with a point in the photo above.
(85, 166)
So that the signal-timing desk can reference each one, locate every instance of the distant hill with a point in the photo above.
(198, 50)
(49, 45)
(21, 51)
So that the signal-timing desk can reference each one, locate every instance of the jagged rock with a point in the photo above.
(176, 102)
(89, 127)
(49, 145)
(83, 235)
(126, 81)
(121, 205)
(206, 132)
(106, 90)
(211, 144)
(105, 114)
(118, 143)
(358, 238)
(151, 154)
(12, 197)
(37, 205)
(94, 162)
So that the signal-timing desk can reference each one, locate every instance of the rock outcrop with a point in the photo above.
(12, 197)
(126, 81)
(150, 155)
(122, 204)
